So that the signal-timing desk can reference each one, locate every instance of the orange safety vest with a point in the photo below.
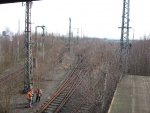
(29, 95)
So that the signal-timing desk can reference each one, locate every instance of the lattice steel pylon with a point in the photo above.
(28, 63)
(124, 42)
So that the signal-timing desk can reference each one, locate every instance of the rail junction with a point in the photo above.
(66, 90)
(131, 96)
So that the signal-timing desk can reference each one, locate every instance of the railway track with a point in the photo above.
(60, 56)
(81, 101)
(65, 91)
(82, 107)
(10, 76)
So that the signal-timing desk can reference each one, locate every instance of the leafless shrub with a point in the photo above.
(46, 67)
(102, 59)
(139, 59)
(5, 98)
(11, 53)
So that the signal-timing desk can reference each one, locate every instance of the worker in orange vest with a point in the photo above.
(29, 98)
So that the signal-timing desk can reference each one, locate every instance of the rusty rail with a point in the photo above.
(83, 101)
(67, 88)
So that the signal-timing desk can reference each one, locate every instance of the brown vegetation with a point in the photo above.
(101, 57)
(139, 57)
(12, 54)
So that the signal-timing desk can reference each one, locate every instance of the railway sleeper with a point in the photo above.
(55, 104)
(84, 108)
(57, 101)
(59, 98)
(47, 112)
(51, 108)
(63, 94)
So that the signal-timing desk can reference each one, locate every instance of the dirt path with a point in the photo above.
(132, 95)
(48, 87)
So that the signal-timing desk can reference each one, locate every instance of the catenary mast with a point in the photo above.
(124, 42)
(28, 63)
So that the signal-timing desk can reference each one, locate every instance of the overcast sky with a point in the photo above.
(98, 18)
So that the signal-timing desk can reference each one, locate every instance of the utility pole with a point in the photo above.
(42, 39)
(28, 63)
(19, 26)
(69, 42)
(17, 59)
(43, 47)
(77, 34)
(35, 63)
(124, 42)
(133, 36)
(18, 48)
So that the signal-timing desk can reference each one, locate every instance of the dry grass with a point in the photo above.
(139, 59)
(101, 57)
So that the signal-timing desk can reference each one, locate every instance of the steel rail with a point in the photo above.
(69, 80)
(70, 93)
(83, 100)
